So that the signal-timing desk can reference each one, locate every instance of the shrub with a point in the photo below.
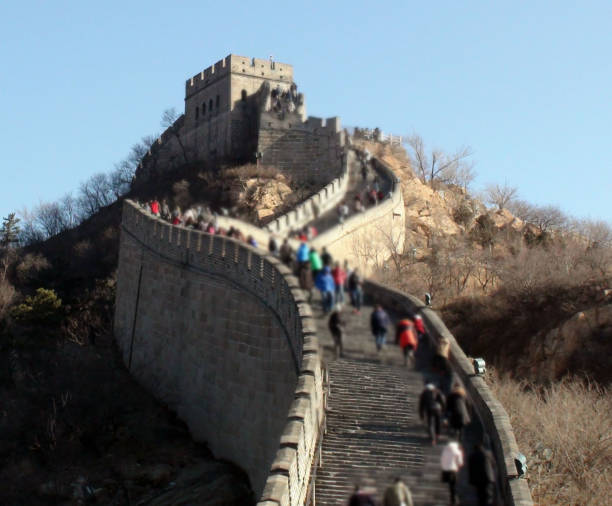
(43, 307)
(564, 431)
(463, 214)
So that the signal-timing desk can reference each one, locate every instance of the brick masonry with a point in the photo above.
(220, 333)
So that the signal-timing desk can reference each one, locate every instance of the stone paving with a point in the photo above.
(373, 427)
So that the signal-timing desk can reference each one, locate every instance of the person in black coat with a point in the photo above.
(431, 405)
(481, 466)
(361, 498)
(336, 324)
(458, 412)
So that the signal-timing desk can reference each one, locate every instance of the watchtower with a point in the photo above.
(221, 105)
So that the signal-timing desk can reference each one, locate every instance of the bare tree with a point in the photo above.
(29, 232)
(69, 210)
(597, 232)
(499, 195)
(170, 121)
(95, 193)
(547, 218)
(521, 209)
(48, 218)
(439, 166)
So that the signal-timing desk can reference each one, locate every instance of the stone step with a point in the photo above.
(373, 428)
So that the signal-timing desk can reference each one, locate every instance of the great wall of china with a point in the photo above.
(221, 332)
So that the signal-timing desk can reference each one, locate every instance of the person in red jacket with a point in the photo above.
(419, 326)
(155, 206)
(405, 336)
(339, 275)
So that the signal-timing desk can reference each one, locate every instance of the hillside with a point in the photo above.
(75, 424)
(504, 286)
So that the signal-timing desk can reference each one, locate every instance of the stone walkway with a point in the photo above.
(356, 184)
(373, 427)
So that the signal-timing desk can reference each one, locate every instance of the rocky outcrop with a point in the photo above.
(550, 354)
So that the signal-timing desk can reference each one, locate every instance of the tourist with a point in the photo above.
(343, 212)
(273, 246)
(154, 206)
(419, 326)
(441, 365)
(451, 461)
(165, 210)
(326, 258)
(336, 324)
(379, 321)
(325, 283)
(250, 240)
(405, 336)
(303, 253)
(315, 262)
(431, 406)
(305, 279)
(361, 498)
(373, 197)
(397, 494)
(481, 465)
(355, 286)
(376, 184)
(339, 275)
(286, 253)
(189, 217)
(201, 224)
(457, 408)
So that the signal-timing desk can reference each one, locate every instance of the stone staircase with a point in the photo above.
(373, 427)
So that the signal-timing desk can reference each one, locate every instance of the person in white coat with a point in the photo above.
(451, 461)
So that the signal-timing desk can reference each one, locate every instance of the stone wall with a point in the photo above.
(309, 151)
(221, 333)
(368, 239)
(324, 200)
(490, 411)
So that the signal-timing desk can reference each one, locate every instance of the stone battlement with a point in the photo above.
(241, 65)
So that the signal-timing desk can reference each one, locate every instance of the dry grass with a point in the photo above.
(565, 431)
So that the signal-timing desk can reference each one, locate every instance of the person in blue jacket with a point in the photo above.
(326, 285)
(302, 254)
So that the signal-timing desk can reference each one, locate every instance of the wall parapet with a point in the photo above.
(232, 262)
(325, 199)
(391, 233)
(491, 412)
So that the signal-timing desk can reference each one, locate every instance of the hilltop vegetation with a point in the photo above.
(528, 289)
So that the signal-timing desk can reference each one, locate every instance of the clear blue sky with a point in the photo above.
(527, 84)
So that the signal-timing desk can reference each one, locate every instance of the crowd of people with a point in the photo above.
(370, 196)
(198, 218)
(445, 404)
(481, 471)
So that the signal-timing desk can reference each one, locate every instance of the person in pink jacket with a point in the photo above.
(339, 275)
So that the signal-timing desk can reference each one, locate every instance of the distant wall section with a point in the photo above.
(370, 238)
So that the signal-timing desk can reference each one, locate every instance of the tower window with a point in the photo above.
(203, 108)
(197, 112)
(243, 95)
(210, 107)
(217, 102)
